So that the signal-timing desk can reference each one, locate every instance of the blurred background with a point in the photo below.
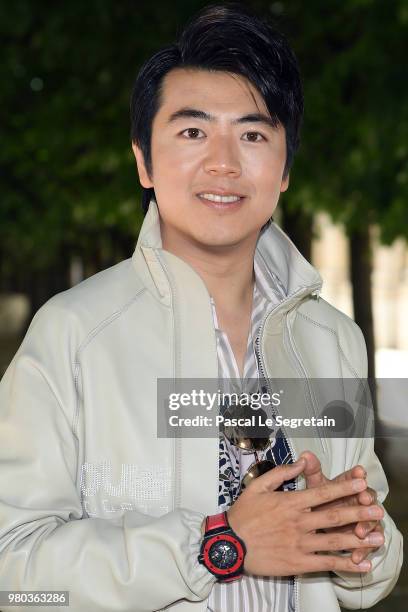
(70, 197)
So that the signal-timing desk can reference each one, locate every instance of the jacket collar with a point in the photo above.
(294, 274)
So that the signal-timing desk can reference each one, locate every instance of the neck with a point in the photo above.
(228, 272)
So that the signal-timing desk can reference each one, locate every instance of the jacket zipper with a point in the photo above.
(292, 452)
(263, 374)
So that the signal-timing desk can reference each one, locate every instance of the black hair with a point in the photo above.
(226, 37)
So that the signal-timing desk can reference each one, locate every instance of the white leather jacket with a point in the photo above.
(91, 500)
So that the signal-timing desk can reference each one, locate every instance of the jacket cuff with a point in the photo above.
(199, 578)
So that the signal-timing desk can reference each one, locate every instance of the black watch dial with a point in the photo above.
(223, 554)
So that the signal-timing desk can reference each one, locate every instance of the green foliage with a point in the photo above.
(68, 175)
(354, 156)
(68, 170)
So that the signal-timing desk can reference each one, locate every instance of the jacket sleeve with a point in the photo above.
(47, 542)
(355, 591)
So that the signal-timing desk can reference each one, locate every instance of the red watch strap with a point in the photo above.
(218, 528)
(215, 521)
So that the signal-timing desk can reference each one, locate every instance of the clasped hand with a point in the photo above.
(315, 477)
(296, 532)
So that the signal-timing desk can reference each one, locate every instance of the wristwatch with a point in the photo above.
(222, 551)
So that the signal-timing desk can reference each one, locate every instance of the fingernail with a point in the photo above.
(375, 538)
(359, 484)
(374, 512)
(364, 565)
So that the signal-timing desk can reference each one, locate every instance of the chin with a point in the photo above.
(219, 241)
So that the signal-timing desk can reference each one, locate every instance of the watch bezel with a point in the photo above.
(236, 568)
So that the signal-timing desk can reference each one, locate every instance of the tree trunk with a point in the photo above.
(299, 227)
(360, 274)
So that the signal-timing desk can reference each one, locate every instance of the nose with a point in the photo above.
(221, 158)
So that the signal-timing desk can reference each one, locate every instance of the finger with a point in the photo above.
(354, 500)
(313, 470)
(328, 492)
(364, 528)
(339, 541)
(272, 480)
(357, 556)
(355, 472)
(335, 517)
(367, 497)
(334, 563)
(351, 500)
(341, 529)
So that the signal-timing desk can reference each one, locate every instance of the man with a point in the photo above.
(92, 501)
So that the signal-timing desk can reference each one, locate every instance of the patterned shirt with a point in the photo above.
(251, 593)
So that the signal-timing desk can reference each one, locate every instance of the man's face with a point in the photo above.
(220, 150)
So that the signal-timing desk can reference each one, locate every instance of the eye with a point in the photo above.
(252, 135)
(192, 133)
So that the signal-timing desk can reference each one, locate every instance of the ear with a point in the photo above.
(285, 183)
(144, 178)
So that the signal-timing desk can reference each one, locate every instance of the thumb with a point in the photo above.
(272, 480)
(313, 470)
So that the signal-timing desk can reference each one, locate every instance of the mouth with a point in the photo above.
(221, 201)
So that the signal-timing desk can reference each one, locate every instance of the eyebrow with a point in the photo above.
(194, 113)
